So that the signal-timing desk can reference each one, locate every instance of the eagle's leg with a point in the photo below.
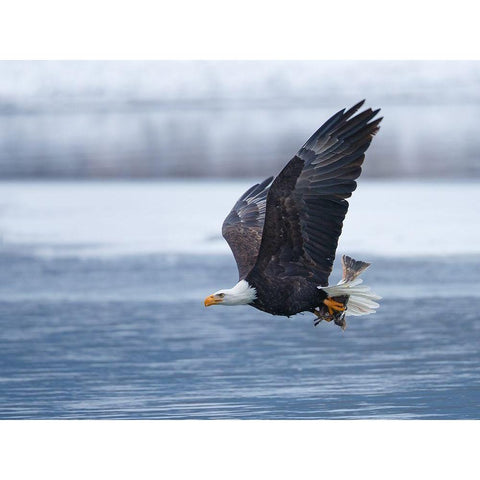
(321, 315)
(332, 310)
(333, 305)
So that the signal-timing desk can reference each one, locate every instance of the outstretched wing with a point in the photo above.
(306, 202)
(242, 229)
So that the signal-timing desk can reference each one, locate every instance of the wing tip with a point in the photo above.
(355, 108)
(341, 120)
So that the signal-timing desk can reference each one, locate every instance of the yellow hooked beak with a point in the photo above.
(212, 300)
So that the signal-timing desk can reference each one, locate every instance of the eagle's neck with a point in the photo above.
(241, 294)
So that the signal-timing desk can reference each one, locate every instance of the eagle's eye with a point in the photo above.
(221, 295)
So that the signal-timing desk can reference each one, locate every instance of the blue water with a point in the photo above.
(130, 338)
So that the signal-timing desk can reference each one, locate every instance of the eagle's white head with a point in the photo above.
(241, 294)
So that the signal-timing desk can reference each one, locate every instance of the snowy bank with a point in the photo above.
(126, 218)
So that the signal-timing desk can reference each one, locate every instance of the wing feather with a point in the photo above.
(242, 229)
(306, 203)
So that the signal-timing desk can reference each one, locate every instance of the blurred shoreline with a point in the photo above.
(230, 119)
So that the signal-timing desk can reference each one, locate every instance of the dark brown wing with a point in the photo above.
(243, 227)
(306, 202)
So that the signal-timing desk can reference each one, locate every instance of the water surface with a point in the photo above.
(130, 338)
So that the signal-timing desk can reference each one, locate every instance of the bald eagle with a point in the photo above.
(284, 231)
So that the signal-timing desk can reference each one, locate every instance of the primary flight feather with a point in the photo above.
(284, 231)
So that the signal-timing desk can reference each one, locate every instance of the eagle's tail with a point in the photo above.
(355, 298)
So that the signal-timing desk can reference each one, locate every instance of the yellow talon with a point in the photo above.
(333, 305)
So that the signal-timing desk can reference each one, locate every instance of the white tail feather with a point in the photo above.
(361, 299)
